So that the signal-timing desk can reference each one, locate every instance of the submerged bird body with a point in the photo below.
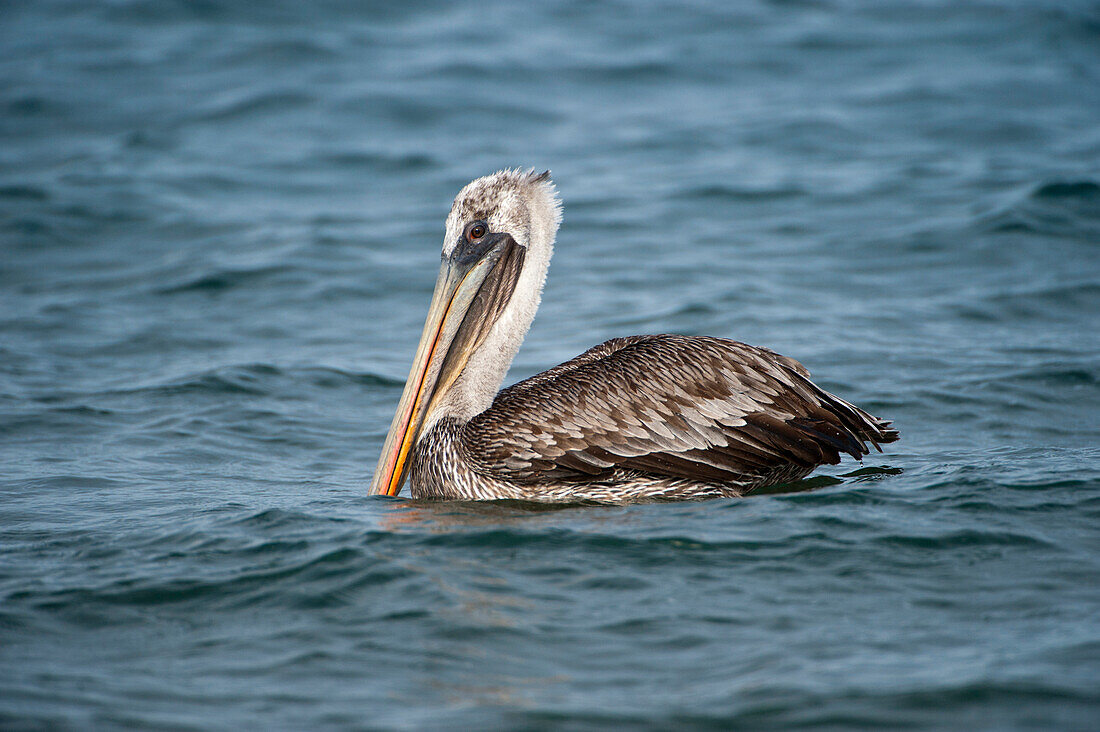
(644, 417)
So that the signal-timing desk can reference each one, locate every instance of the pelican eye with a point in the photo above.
(476, 231)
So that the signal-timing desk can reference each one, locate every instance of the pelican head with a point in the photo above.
(496, 250)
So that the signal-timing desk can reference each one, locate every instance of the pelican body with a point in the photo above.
(639, 418)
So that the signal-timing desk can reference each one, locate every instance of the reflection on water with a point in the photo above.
(446, 516)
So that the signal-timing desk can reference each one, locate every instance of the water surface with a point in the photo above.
(220, 226)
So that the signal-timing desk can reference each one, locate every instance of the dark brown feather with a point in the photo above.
(680, 407)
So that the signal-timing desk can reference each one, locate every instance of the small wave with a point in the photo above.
(1059, 376)
(777, 704)
(626, 69)
(250, 379)
(1038, 302)
(411, 111)
(257, 104)
(240, 589)
(1068, 484)
(1046, 383)
(1084, 190)
(27, 227)
(26, 193)
(358, 159)
(274, 518)
(283, 51)
(960, 540)
(331, 378)
(647, 549)
(226, 279)
(34, 106)
(261, 378)
(720, 192)
(1058, 208)
(73, 482)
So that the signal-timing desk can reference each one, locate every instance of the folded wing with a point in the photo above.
(705, 409)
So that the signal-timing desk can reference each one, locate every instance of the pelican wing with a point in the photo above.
(705, 409)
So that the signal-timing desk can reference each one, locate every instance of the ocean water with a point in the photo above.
(220, 225)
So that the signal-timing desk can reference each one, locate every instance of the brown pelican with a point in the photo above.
(642, 417)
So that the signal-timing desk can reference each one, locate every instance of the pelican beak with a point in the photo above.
(475, 284)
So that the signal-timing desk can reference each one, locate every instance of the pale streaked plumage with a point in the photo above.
(644, 417)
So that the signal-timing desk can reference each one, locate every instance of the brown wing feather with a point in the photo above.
(706, 409)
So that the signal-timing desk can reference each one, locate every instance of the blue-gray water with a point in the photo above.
(220, 226)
